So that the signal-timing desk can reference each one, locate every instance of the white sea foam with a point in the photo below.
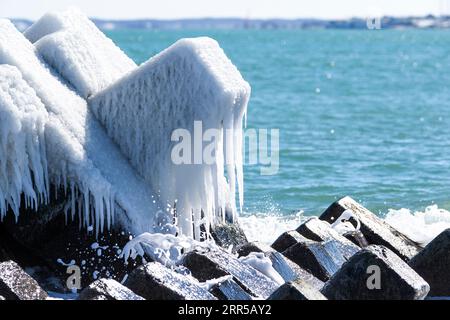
(266, 228)
(420, 226)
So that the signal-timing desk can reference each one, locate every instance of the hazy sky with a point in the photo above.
(166, 9)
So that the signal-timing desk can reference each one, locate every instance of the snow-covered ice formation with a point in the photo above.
(108, 124)
(164, 248)
(263, 264)
(192, 80)
(82, 54)
(23, 167)
(80, 155)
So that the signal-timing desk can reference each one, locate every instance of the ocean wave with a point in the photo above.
(419, 226)
(266, 228)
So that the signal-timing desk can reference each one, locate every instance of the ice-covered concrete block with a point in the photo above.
(191, 86)
(255, 246)
(229, 290)
(297, 290)
(49, 23)
(287, 269)
(15, 284)
(80, 155)
(375, 230)
(71, 43)
(376, 273)
(107, 289)
(154, 281)
(213, 264)
(290, 271)
(433, 264)
(288, 239)
(320, 259)
(318, 230)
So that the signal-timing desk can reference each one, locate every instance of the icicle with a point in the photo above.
(72, 198)
(192, 80)
(79, 151)
(23, 168)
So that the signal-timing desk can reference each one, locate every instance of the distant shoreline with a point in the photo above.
(387, 22)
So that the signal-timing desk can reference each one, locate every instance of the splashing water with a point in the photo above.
(267, 227)
(420, 226)
(164, 248)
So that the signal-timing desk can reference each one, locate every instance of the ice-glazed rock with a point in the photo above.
(287, 239)
(297, 290)
(321, 259)
(71, 43)
(212, 264)
(287, 269)
(15, 284)
(376, 273)
(228, 235)
(80, 155)
(191, 86)
(154, 281)
(229, 290)
(433, 264)
(318, 230)
(107, 289)
(375, 230)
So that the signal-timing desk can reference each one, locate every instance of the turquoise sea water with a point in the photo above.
(361, 113)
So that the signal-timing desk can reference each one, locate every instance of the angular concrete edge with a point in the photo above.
(376, 273)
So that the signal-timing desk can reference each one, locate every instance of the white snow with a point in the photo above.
(23, 165)
(80, 156)
(70, 43)
(192, 80)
